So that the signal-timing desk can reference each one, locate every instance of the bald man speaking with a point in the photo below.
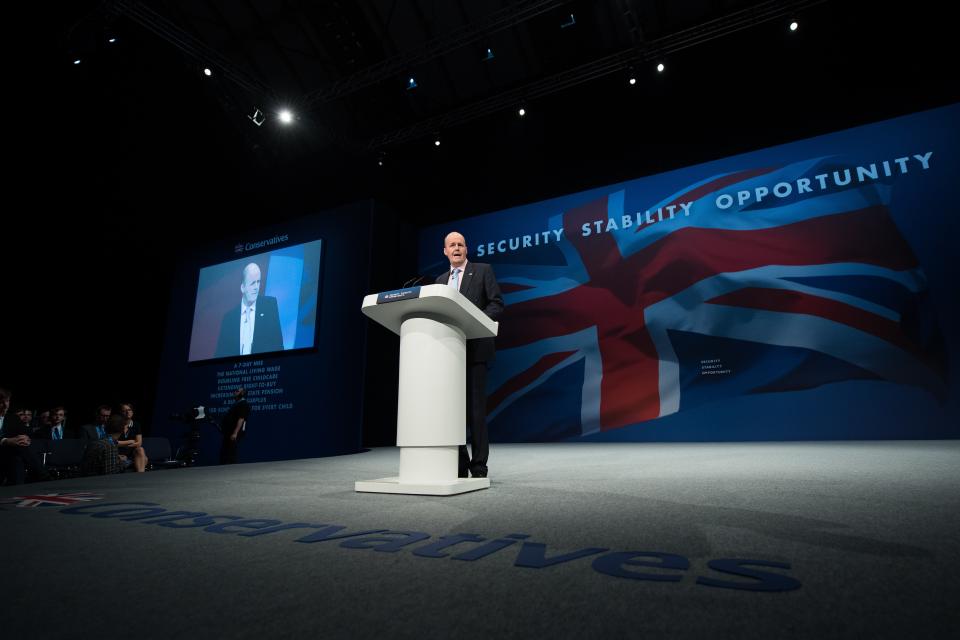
(254, 326)
(478, 284)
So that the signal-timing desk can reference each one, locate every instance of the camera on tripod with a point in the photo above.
(195, 417)
(191, 415)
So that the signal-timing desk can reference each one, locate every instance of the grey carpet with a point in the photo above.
(869, 531)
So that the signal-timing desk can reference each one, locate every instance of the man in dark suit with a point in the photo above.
(254, 327)
(57, 429)
(97, 430)
(233, 427)
(477, 282)
(15, 445)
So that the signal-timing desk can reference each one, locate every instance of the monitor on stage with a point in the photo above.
(258, 304)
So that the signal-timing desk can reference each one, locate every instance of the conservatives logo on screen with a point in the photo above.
(241, 247)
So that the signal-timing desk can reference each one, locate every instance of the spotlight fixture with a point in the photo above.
(436, 142)
(660, 67)
(411, 83)
(794, 25)
(632, 80)
(207, 72)
(112, 40)
(257, 118)
(285, 116)
(489, 55)
(77, 61)
(522, 112)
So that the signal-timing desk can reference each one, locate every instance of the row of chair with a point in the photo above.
(64, 458)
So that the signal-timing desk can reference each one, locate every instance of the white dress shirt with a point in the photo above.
(248, 319)
(463, 269)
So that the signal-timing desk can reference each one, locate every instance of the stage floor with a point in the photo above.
(782, 540)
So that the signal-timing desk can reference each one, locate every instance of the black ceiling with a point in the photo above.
(146, 128)
(133, 155)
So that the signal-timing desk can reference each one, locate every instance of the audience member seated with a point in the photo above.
(26, 418)
(130, 439)
(98, 430)
(43, 421)
(57, 430)
(15, 445)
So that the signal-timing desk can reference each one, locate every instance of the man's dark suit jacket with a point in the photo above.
(13, 427)
(266, 332)
(479, 285)
(89, 432)
(46, 433)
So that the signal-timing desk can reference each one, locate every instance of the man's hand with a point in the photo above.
(233, 437)
(20, 441)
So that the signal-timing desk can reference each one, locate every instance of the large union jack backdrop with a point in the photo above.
(632, 316)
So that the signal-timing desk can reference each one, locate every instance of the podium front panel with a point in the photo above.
(431, 406)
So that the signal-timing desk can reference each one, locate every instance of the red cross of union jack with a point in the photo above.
(52, 499)
(751, 273)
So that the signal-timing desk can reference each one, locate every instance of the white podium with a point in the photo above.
(434, 323)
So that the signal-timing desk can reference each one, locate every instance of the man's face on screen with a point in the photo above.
(56, 417)
(251, 283)
(455, 248)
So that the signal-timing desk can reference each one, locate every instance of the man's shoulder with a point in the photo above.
(89, 429)
(481, 267)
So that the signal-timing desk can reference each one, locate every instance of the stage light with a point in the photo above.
(633, 80)
(411, 83)
(794, 25)
(522, 112)
(112, 40)
(258, 117)
(436, 142)
(660, 67)
(207, 72)
(285, 116)
(77, 61)
(489, 55)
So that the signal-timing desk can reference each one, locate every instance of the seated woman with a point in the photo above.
(129, 440)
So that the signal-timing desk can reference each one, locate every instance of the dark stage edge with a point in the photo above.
(869, 530)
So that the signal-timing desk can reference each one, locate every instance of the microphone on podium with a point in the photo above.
(412, 281)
